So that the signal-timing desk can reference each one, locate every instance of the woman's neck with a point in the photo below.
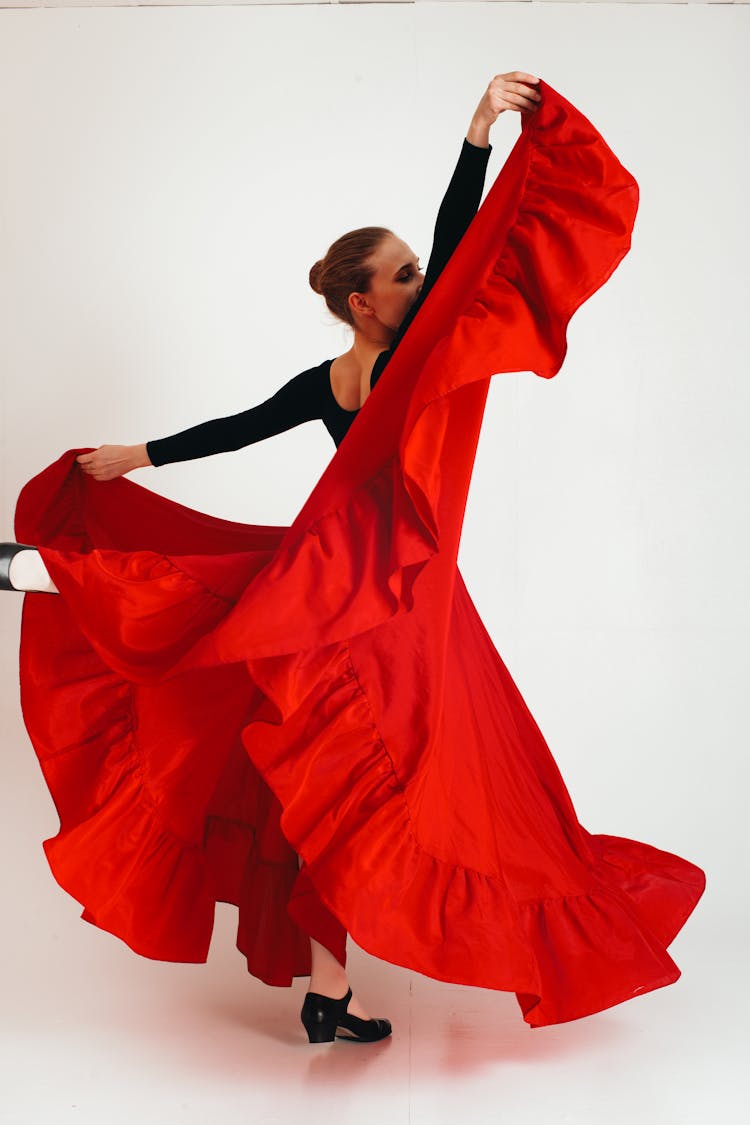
(366, 349)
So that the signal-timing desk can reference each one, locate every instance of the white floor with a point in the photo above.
(93, 1033)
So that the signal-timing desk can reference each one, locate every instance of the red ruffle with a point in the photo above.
(210, 700)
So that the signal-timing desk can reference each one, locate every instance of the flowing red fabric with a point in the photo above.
(211, 701)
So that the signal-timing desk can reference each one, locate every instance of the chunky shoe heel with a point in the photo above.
(318, 1017)
(320, 1032)
(322, 1015)
(7, 553)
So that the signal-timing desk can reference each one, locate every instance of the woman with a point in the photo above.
(370, 280)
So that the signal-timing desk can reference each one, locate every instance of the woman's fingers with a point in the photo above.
(106, 462)
(517, 77)
(511, 100)
(515, 90)
(89, 462)
(526, 101)
(520, 88)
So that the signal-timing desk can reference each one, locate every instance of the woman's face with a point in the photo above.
(394, 286)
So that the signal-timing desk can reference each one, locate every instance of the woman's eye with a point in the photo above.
(408, 276)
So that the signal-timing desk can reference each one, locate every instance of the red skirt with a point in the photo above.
(212, 701)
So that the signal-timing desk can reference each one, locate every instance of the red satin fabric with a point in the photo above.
(210, 700)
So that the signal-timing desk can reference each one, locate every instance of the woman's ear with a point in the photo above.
(359, 304)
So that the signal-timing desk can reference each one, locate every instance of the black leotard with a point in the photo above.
(309, 394)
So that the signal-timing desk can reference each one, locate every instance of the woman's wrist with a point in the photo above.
(478, 132)
(141, 459)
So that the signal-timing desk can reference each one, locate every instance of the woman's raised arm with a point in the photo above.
(464, 193)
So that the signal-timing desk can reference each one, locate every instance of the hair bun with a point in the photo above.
(315, 273)
(346, 268)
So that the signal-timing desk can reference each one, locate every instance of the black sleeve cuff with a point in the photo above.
(152, 454)
(470, 148)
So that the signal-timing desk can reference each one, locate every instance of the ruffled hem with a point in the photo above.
(149, 853)
(594, 943)
(379, 729)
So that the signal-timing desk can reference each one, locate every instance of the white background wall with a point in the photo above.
(169, 176)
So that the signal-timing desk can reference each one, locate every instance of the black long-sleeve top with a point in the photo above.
(309, 395)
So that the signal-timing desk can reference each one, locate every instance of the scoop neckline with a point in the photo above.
(343, 409)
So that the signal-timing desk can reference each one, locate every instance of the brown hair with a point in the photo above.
(344, 269)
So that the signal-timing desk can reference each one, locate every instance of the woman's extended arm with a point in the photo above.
(294, 403)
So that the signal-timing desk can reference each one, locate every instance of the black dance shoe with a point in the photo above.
(7, 551)
(322, 1015)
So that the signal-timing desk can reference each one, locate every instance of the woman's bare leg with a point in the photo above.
(329, 978)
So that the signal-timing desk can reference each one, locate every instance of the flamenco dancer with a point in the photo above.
(371, 280)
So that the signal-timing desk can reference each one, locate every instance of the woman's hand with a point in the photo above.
(506, 91)
(110, 461)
